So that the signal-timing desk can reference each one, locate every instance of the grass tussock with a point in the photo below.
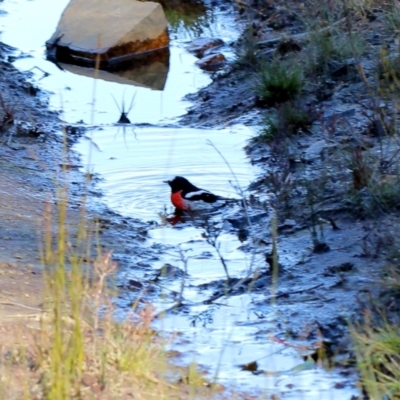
(388, 71)
(392, 16)
(377, 351)
(330, 48)
(287, 119)
(279, 81)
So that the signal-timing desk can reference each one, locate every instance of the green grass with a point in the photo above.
(247, 53)
(279, 81)
(325, 48)
(287, 119)
(392, 17)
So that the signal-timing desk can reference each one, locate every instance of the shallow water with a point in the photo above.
(83, 99)
(134, 160)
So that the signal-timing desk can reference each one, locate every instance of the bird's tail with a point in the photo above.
(230, 200)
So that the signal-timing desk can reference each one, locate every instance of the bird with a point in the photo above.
(187, 197)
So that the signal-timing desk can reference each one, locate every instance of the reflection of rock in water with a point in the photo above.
(149, 70)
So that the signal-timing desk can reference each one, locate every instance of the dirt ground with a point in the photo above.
(25, 180)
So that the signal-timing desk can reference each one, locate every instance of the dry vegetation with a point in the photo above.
(67, 344)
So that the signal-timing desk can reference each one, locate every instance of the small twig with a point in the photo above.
(173, 307)
(240, 3)
(313, 346)
(228, 291)
(10, 303)
(45, 74)
(285, 294)
(333, 223)
(21, 316)
(185, 267)
(299, 36)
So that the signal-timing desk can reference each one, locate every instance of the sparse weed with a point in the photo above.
(381, 125)
(391, 272)
(388, 70)
(329, 47)
(279, 81)
(295, 117)
(7, 116)
(383, 195)
(333, 36)
(376, 339)
(247, 52)
(392, 17)
(288, 119)
(363, 8)
(375, 184)
(269, 130)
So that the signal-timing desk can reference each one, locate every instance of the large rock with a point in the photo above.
(113, 30)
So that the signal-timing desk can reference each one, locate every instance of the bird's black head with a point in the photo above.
(181, 183)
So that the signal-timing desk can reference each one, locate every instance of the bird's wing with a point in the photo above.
(201, 194)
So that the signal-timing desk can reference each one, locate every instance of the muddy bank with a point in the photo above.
(318, 177)
(35, 165)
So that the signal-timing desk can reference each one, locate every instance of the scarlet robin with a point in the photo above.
(187, 197)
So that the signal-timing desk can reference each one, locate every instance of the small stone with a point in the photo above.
(199, 46)
(88, 380)
(212, 62)
(315, 150)
(289, 223)
(320, 247)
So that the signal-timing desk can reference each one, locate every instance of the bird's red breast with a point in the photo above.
(179, 202)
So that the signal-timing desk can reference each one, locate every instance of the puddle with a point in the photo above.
(134, 160)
